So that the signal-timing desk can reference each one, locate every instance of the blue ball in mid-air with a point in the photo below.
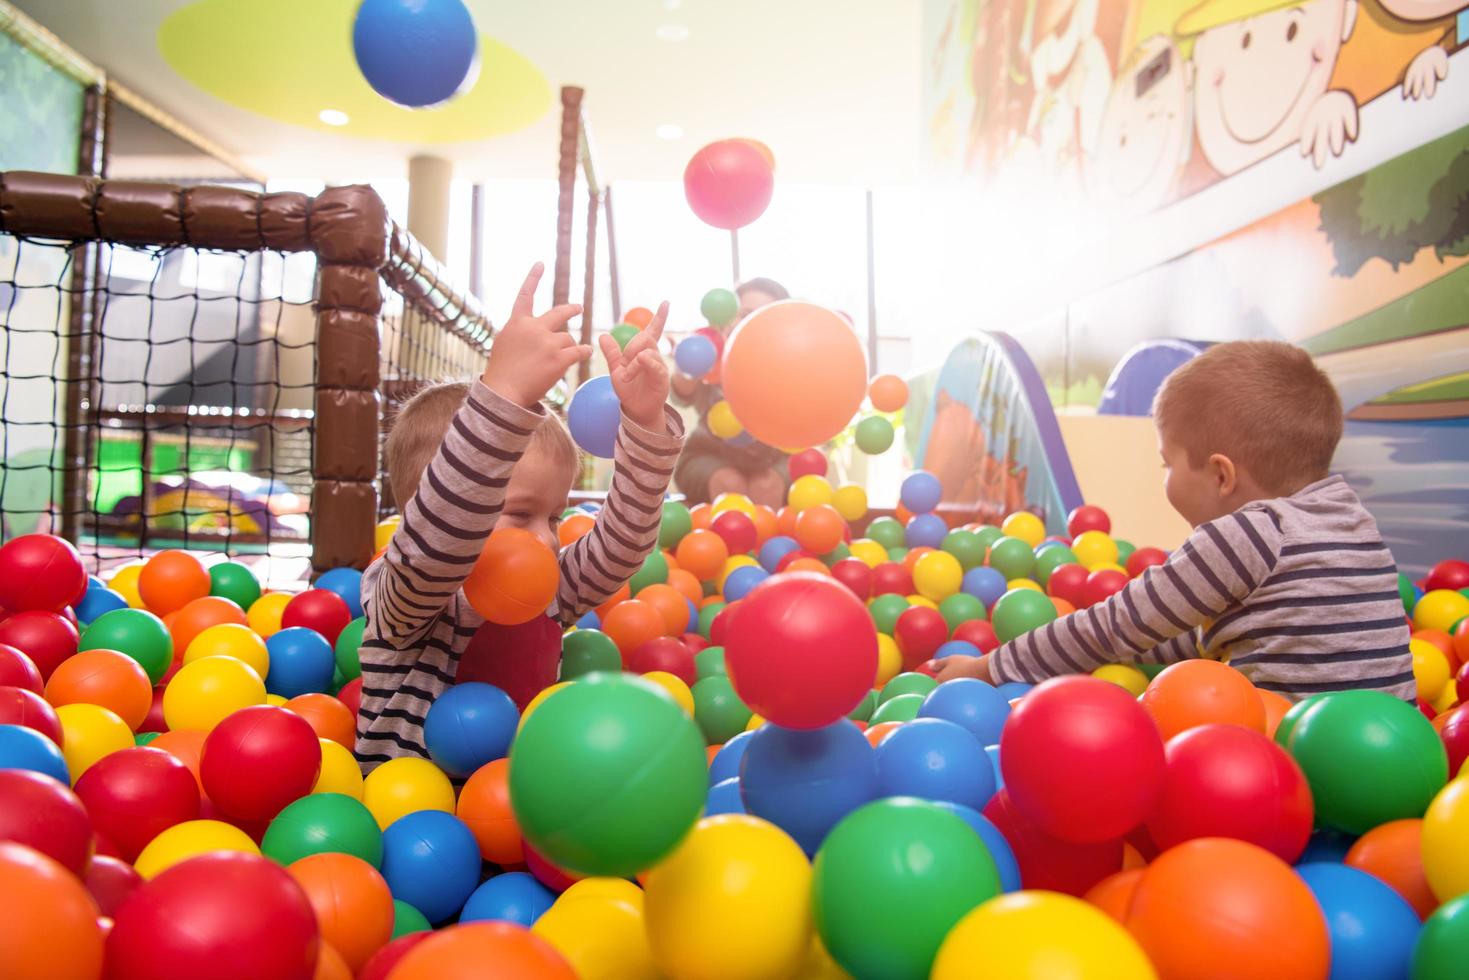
(416, 53)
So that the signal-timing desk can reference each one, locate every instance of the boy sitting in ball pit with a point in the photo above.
(1285, 575)
(466, 459)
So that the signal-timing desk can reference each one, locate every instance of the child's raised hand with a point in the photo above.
(960, 666)
(639, 375)
(531, 353)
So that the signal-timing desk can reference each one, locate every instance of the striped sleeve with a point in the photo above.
(626, 530)
(1215, 570)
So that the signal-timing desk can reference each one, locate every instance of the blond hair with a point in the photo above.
(1263, 403)
(423, 421)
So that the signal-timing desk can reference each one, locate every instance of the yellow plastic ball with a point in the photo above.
(230, 640)
(850, 502)
(602, 938)
(1024, 583)
(89, 732)
(610, 889)
(730, 564)
(809, 491)
(731, 501)
(1430, 669)
(869, 552)
(937, 575)
(1445, 829)
(539, 700)
(124, 582)
(675, 687)
(1125, 676)
(1440, 610)
(1447, 698)
(889, 660)
(722, 421)
(383, 533)
(755, 722)
(264, 615)
(399, 787)
(1040, 934)
(206, 692)
(339, 771)
(736, 892)
(1026, 526)
(921, 600)
(1110, 567)
(819, 964)
(190, 839)
(1094, 549)
(275, 700)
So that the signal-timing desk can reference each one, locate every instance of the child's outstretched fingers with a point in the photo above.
(527, 295)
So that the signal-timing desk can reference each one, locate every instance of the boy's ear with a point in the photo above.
(1222, 471)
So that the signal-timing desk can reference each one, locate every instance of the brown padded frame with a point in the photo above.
(358, 250)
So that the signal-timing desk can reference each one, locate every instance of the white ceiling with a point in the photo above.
(832, 87)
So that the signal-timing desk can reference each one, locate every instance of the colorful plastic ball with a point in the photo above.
(257, 760)
(354, 908)
(1093, 548)
(929, 867)
(233, 581)
(724, 797)
(25, 748)
(416, 54)
(406, 785)
(204, 693)
(586, 651)
(978, 632)
(1087, 518)
(98, 600)
(469, 725)
(514, 579)
(891, 578)
(301, 661)
(925, 531)
(1393, 852)
(1144, 558)
(985, 584)
(720, 307)
(1012, 558)
(726, 762)
(806, 781)
(722, 420)
(888, 393)
(594, 417)
(1445, 864)
(40, 812)
(106, 678)
(110, 881)
(875, 435)
(406, 920)
(921, 492)
(807, 462)
(50, 929)
(484, 806)
(1440, 609)
(515, 896)
(90, 732)
(139, 634)
(1372, 928)
(1049, 862)
(1019, 611)
(135, 794)
(200, 614)
(920, 631)
(431, 860)
(231, 640)
(737, 530)
(264, 615)
(937, 575)
(695, 356)
(1439, 952)
(776, 548)
(971, 704)
(901, 708)
(703, 553)
(340, 772)
(46, 638)
(19, 670)
(25, 707)
(855, 575)
(171, 580)
(728, 184)
(323, 823)
(608, 775)
(1202, 692)
(601, 936)
(906, 683)
(1101, 585)
(718, 710)
(190, 839)
(819, 529)
(328, 717)
(937, 760)
(1026, 526)
(40, 572)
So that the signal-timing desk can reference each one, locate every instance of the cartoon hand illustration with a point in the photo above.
(1423, 75)
(1329, 127)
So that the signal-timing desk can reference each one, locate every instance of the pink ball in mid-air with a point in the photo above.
(729, 184)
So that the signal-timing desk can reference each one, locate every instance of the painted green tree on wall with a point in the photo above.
(41, 125)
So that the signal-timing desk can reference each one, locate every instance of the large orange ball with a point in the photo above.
(352, 903)
(49, 929)
(820, 529)
(1392, 852)
(171, 580)
(1218, 909)
(888, 393)
(703, 553)
(484, 806)
(794, 373)
(466, 951)
(671, 604)
(1113, 894)
(327, 716)
(632, 623)
(574, 528)
(515, 578)
(106, 677)
(200, 614)
(1203, 692)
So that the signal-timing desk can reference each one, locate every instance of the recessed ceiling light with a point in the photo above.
(673, 32)
(670, 131)
(672, 4)
(333, 117)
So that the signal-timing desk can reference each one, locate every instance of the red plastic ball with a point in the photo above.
(792, 556)
(111, 880)
(154, 721)
(382, 962)
(807, 462)
(136, 794)
(351, 694)
(1082, 759)
(805, 652)
(1102, 585)
(979, 632)
(1088, 518)
(1048, 862)
(40, 571)
(226, 916)
(891, 578)
(694, 642)
(1145, 558)
(1451, 573)
(46, 637)
(1454, 730)
(1426, 709)
(1229, 781)
(258, 760)
(728, 184)
(737, 530)
(320, 610)
(553, 877)
(666, 654)
(1069, 582)
(19, 670)
(721, 627)
(19, 706)
(855, 575)
(920, 631)
(39, 812)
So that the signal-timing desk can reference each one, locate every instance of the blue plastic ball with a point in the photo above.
(695, 356)
(431, 861)
(1014, 689)
(693, 624)
(742, 580)
(804, 782)
(469, 725)
(724, 797)
(591, 506)
(515, 896)
(925, 531)
(993, 751)
(1372, 927)
(956, 648)
(416, 52)
(301, 662)
(26, 748)
(589, 621)
(773, 550)
(347, 583)
(726, 763)
(985, 584)
(994, 842)
(971, 704)
(921, 492)
(97, 600)
(934, 760)
(594, 416)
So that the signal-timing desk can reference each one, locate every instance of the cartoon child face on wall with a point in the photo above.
(1146, 131)
(1431, 65)
(1262, 79)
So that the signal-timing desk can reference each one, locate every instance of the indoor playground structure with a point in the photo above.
(754, 762)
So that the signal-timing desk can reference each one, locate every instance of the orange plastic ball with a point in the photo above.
(1113, 894)
(632, 623)
(902, 515)
(687, 584)
(463, 951)
(49, 930)
(703, 553)
(515, 578)
(1276, 705)
(911, 558)
(638, 316)
(623, 593)
(794, 373)
(1392, 852)
(785, 521)
(819, 529)
(809, 565)
(1219, 908)
(701, 516)
(1443, 641)
(199, 615)
(484, 806)
(765, 523)
(1202, 692)
(888, 392)
(880, 731)
(1063, 608)
(171, 580)
(353, 906)
(327, 716)
(671, 604)
(113, 680)
(329, 963)
(185, 745)
(1461, 642)
(574, 528)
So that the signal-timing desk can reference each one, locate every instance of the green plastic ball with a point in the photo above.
(233, 581)
(887, 532)
(837, 554)
(961, 607)
(135, 632)
(349, 641)
(675, 524)
(989, 534)
(709, 662)
(1020, 611)
(865, 707)
(874, 435)
(1151, 670)
(1124, 550)
(339, 680)
(909, 682)
(407, 919)
(143, 738)
(886, 609)
(890, 881)
(1287, 723)
(718, 709)
(1407, 594)
(1440, 953)
(320, 823)
(586, 652)
(654, 571)
(607, 775)
(706, 617)
(623, 333)
(897, 554)
(965, 546)
(720, 307)
(1051, 559)
(902, 707)
(1012, 558)
(1369, 758)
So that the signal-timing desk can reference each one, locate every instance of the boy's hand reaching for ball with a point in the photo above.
(639, 375)
(531, 353)
(955, 667)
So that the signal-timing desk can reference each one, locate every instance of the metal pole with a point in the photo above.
(612, 270)
(871, 287)
(477, 241)
(734, 255)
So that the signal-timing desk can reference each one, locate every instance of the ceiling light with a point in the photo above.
(672, 4)
(670, 131)
(333, 117)
(673, 32)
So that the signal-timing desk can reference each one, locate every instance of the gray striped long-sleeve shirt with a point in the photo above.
(1297, 592)
(418, 620)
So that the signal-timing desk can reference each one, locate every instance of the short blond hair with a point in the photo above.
(1263, 403)
(423, 421)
